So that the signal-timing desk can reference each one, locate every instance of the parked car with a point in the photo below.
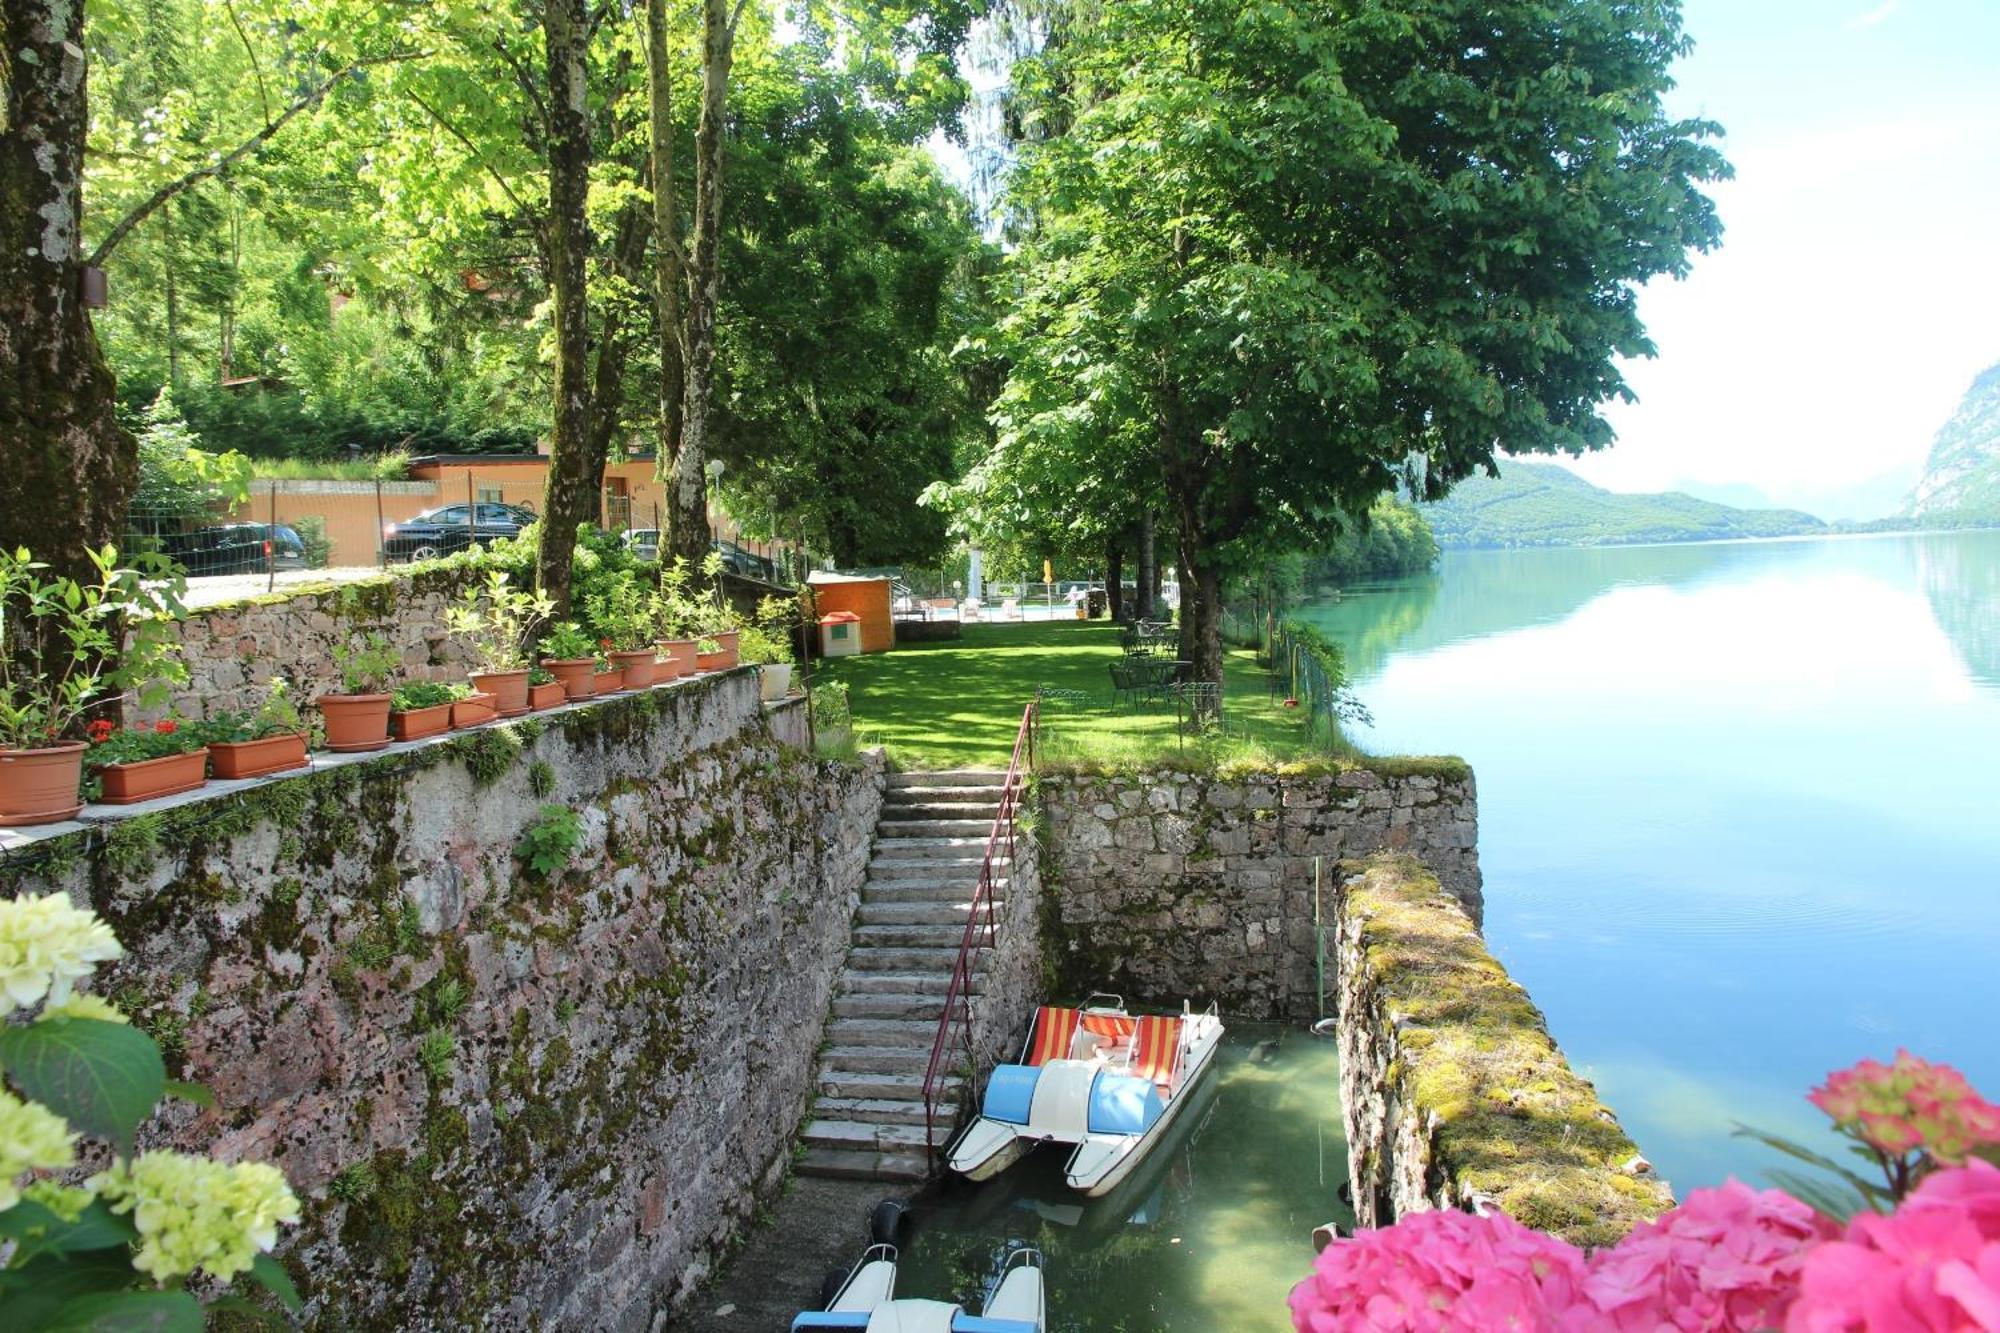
(452, 528)
(643, 542)
(235, 548)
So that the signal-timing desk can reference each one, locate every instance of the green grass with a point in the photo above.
(958, 704)
(387, 467)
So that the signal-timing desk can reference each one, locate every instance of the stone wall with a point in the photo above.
(1164, 886)
(1453, 1093)
(232, 650)
(509, 1100)
(1012, 976)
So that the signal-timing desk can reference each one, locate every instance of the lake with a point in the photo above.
(1739, 817)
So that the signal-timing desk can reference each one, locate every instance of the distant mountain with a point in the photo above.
(1540, 504)
(1735, 494)
(1962, 476)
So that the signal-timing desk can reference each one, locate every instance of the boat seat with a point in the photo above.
(1053, 1029)
(1156, 1050)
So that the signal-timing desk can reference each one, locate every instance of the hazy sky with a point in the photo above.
(1857, 291)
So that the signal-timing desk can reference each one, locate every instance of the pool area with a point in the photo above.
(1210, 1232)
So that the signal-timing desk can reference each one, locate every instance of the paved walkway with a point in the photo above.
(214, 589)
(818, 1225)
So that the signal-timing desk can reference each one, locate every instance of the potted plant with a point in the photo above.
(608, 677)
(767, 643)
(709, 655)
(132, 764)
(357, 718)
(675, 613)
(474, 709)
(720, 621)
(60, 636)
(421, 708)
(622, 610)
(566, 652)
(497, 623)
(544, 690)
(250, 745)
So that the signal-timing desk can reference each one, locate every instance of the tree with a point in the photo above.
(1306, 248)
(70, 467)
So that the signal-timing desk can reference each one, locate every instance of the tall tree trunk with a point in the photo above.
(172, 256)
(669, 282)
(571, 496)
(1148, 583)
(70, 469)
(1114, 578)
(687, 534)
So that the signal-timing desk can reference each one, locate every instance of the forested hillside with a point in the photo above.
(1962, 476)
(1541, 504)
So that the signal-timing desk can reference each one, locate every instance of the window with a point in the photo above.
(489, 495)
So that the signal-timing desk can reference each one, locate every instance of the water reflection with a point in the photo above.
(1209, 1233)
(1737, 812)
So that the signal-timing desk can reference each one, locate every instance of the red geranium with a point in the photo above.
(99, 731)
(166, 726)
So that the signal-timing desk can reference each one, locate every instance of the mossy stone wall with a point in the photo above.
(510, 1100)
(1454, 1095)
(1163, 886)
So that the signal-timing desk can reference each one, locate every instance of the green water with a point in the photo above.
(1739, 817)
(1209, 1233)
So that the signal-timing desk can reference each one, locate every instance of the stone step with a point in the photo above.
(943, 912)
(839, 1060)
(959, 889)
(845, 1164)
(890, 1004)
(908, 1033)
(892, 982)
(931, 844)
(922, 864)
(882, 1110)
(950, 777)
(933, 830)
(880, 958)
(862, 1084)
(866, 1134)
(943, 807)
(946, 938)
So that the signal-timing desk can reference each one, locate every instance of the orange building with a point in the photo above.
(864, 597)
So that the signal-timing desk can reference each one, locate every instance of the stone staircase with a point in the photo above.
(869, 1119)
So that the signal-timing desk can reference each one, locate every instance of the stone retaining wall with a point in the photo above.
(509, 1101)
(1164, 886)
(1013, 977)
(1453, 1093)
(234, 649)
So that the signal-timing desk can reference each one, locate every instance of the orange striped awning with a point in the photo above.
(1053, 1029)
(1156, 1049)
(1115, 1027)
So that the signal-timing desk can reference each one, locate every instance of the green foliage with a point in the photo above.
(63, 655)
(498, 621)
(131, 745)
(369, 668)
(547, 844)
(312, 535)
(541, 777)
(277, 715)
(566, 642)
(425, 694)
(178, 479)
(435, 1053)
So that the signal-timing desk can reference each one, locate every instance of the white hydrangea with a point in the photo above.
(46, 947)
(32, 1137)
(194, 1213)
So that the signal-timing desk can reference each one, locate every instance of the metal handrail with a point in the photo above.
(957, 1000)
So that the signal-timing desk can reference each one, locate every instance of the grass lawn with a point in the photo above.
(958, 704)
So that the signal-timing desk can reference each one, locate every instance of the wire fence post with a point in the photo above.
(381, 527)
(270, 542)
(471, 513)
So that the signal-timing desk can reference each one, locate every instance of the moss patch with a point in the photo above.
(1510, 1119)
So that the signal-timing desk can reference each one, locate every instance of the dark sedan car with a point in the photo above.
(453, 528)
(235, 548)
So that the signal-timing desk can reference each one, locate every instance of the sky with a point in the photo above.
(1857, 290)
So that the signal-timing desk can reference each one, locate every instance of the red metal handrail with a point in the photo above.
(957, 1002)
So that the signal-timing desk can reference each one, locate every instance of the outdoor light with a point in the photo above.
(93, 288)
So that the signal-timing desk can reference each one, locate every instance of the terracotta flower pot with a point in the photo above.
(355, 721)
(39, 786)
(774, 680)
(125, 784)
(726, 640)
(612, 681)
(714, 661)
(253, 759)
(413, 724)
(679, 653)
(475, 710)
(575, 674)
(547, 696)
(508, 688)
(638, 665)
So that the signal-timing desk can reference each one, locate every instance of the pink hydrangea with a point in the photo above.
(1909, 1104)
(1726, 1259)
(1443, 1270)
(1934, 1264)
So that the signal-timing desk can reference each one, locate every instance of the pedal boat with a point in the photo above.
(1098, 1077)
(868, 1301)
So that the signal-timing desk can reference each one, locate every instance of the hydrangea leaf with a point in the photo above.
(38, 1230)
(103, 1078)
(275, 1280)
(130, 1312)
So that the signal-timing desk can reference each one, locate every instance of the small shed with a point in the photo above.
(867, 598)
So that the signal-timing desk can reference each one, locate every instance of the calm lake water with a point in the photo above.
(1739, 809)
(1210, 1232)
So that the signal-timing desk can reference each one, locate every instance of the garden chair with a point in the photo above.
(1125, 682)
